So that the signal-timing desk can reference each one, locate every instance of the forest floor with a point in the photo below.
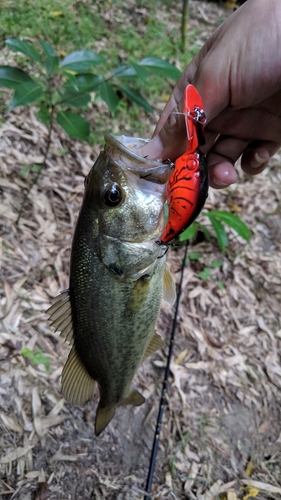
(221, 435)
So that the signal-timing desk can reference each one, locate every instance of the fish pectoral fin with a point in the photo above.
(169, 291)
(156, 342)
(103, 417)
(60, 316)
(77, 385)
(135, 398)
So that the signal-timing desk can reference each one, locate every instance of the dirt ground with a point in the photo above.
(221, 435)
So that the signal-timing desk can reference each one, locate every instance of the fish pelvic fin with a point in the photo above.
(60, 316)
(169, 287)
(77, 385)
(135, 398)
(103, 417)
(156, 342)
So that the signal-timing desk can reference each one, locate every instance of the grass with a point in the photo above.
(114, 29)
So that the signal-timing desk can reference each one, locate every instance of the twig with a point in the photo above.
(184, 24)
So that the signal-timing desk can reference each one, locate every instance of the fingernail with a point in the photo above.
(220, 184)
(257, 161)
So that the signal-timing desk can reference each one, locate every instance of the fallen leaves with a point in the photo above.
(226, 347)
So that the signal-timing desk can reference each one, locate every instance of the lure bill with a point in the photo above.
(188, 185)
(118, 277)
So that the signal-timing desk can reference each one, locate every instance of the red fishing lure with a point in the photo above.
(188, 185)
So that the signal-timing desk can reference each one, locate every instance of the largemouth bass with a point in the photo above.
(118, 276)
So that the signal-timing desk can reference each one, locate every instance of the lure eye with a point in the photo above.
(113, 196)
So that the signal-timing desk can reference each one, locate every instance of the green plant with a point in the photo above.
(37, 357)
(58, 85)
(217, 219)
(206, 273)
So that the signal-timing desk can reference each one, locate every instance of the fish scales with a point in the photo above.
(118, 276)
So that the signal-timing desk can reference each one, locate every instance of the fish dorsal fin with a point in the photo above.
(156, 342)
(169, 291)
(60, 316)
(103, 417)
(77, 385)
(135, 398)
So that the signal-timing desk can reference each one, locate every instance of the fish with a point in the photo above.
(187, 188)
(118, 276)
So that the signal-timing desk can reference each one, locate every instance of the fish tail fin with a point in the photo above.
(135, 398)
(77, 385)
(103, 417)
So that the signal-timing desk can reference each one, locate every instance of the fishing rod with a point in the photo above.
(163, 400)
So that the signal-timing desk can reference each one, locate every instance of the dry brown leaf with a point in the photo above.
(15, 454)
(269, 488)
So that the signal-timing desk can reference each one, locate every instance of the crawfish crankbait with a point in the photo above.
(188, 185)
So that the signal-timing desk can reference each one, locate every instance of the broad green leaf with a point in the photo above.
(220, 285)
(51, 63)
(25, 94)
(71, 82)
(27, 353)
(220, 232)
(74, 125)
(81, 61)
(205, 274)
(136, 97)
(216, 263)
(47, 48)
(36, 168)
(141, 71)
(188, 233)
(75, 99)
(37, 357)
(160, 67)
(123, 71)
(25, 48)
(24, 171)
(44, 115)
(109, 95)
(195, 256)
(83, 83)
(12, 77)
(234, 222)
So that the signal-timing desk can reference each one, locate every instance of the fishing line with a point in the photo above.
(163, 400)
(158, 115)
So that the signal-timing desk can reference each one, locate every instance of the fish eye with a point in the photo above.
(113, 196)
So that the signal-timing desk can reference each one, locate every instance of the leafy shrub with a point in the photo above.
(217, 219)
(59, 84)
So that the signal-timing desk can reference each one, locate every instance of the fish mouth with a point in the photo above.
(125, 149)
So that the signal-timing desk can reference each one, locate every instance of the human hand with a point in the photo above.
(238, 74)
